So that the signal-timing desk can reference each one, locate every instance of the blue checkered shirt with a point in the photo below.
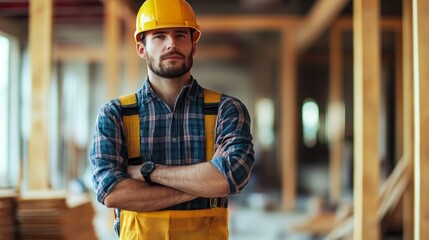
(173, 138)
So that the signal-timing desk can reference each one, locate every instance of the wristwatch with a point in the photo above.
(146, 169)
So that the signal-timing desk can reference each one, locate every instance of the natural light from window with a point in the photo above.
(265, 121)
(310, 122)
(4, 86)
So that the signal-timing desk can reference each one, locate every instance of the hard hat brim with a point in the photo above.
(197, 30)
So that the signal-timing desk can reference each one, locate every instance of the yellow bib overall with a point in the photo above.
(210, 224)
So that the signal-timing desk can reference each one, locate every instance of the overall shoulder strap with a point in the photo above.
(211, 106)
(131, 120)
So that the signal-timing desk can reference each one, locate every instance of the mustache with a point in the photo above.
(172, 53)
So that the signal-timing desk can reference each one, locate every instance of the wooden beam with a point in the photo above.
(367, 80)
(386, 23)
(408, 132)
(246, 23)
(84, 53)
(288, 118)
(420, 9)
(393, 188)
(335, 114)
(40, 44)
(218, 52)
(399, 98)
(133, 62)
(13, 28)
(318, 20)
(112, 47)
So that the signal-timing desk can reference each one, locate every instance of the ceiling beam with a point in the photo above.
(215, 23)
(317, 21)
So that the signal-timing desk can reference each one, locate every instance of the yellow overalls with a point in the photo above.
(210, 224)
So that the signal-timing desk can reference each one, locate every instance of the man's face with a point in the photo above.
(168, 52)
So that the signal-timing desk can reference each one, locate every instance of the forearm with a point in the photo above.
(201, 179)
(141, 197)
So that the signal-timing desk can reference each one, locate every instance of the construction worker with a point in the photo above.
(167, 157)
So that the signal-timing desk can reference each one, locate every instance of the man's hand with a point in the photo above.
(133, 172)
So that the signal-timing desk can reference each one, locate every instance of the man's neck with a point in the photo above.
(168, 89)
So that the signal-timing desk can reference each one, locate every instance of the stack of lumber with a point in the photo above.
(52, 215)
(8, 224)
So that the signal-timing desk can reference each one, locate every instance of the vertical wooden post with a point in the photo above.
(408, 132)
(366, 45)
(40, 43)
(288, 119)
(112, 47)
(335, 114)
(399, 98)
(132, 59)
(421, 117)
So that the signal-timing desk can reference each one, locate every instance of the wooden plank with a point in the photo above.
(408, 132)
(366, 46)
(399, 98)
(49, 215)
(215, 23)
(421, 117)
(84, 53)
(112, 47)
(40, 43)
(393, 188)
(386, 23)
(132, 60)
(288, 119)
(321, 15)
(335, 114)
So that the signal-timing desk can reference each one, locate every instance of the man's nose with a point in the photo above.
(171, 43)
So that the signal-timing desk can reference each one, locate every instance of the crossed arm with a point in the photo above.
(227, 173)
(175, 184)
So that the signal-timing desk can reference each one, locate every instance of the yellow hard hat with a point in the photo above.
(156, 14)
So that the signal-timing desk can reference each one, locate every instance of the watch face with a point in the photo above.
(147, 167)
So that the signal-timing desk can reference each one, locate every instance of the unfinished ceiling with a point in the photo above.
(80, 22)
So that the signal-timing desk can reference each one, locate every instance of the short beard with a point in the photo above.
(165, 72)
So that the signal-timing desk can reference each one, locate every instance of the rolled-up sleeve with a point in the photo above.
(107, 151)
(234, 148)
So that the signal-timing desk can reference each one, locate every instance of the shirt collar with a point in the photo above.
(190, 91)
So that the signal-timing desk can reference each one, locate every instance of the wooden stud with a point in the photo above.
(321, 15)
(132, 60)
(366, 46)
(289, 113)
(408, 132)
(335, 114)
(40, 44)
(112, 48)
(399, 98)
(420, 16)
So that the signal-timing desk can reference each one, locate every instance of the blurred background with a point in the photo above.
(290, 61)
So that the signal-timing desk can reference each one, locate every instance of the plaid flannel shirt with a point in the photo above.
(173, 138)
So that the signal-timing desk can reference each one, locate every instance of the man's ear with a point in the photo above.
(194, 48)
(141, 50)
